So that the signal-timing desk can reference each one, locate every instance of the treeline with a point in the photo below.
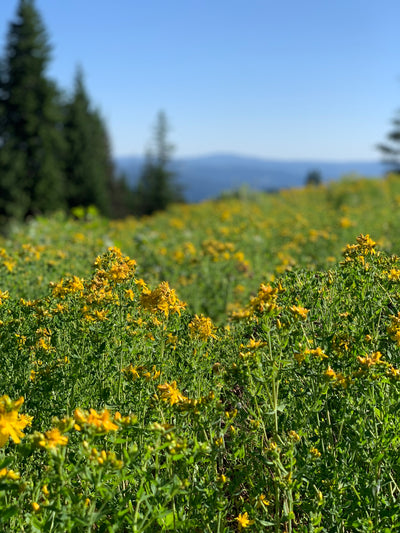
(55, 151)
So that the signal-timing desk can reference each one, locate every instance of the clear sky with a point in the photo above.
(287, 79)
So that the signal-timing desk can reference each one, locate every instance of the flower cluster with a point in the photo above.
(337, 377)
(202, 328)
(394, 328)
(50, 440)
(97, 422)
(135, 372)
(371, 360)
(365, 246)
(114, 267)
(314, 352)
(171, 394)
(299, 312)
(251, 348)
(217, 250)
(264, 302)
(162, 299)
(4, 295)
(74, 285)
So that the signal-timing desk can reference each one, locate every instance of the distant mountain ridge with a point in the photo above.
(208, 176)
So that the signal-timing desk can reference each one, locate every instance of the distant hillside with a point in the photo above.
(208, 176)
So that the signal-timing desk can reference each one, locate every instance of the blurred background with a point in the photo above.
(200, 97)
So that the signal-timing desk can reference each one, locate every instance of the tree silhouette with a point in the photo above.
(391, 151)
(157, 187)
(32, 145)
(88, 163)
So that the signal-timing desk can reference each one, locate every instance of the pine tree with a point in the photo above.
(121, 197)
(157, 187)
(391, 151)
(89, 166)
(31, 138)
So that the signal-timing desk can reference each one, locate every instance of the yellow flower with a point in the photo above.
(345, 222)
(370, 360)
(71, 285)
(394, 274)
(365, 246)
(299, 356)
(330, 373)
(11, 422)
(3, 296)
(8, 474)
(299, 312)
(337, 377)
(317, 352)
(243, 520)
(202, 328)
(135, 372)
(162, 299)
(101, 422)
(316, 453)
(262, 500)
(171, 394)
(294, 436)
(131, 371)
(43, 344)
(130, 294)
(52, 438)
(219, 442)
(35, 507)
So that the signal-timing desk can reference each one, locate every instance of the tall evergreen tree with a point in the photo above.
(121, 197)
(391, 150)
(31, 138)
(157, 187)
(89, 166)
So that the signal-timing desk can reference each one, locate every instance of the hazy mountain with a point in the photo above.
(207, 176)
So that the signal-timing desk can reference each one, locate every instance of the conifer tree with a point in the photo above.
(31, 138)
(89, 167)
(157, 187)
(391, 150)
(121, 197)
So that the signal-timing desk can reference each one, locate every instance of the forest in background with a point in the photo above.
(54, 148)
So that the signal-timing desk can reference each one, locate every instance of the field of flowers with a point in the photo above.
(227, 366)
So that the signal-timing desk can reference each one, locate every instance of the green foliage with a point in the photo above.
(280, 415)
(148, 418)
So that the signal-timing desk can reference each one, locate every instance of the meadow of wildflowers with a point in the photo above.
(227, 366)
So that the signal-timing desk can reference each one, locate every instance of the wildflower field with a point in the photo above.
(227, 366)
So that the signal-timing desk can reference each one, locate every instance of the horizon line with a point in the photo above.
(303, 159)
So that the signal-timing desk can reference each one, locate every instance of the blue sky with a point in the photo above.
(309, 79)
